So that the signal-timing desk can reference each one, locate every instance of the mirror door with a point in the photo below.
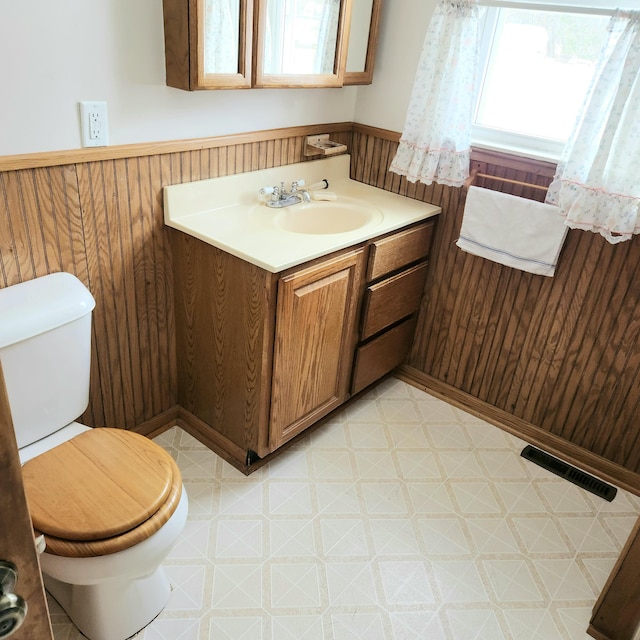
(207, 43)
(301, 43)
(224, 44)
(237, 44)
(363, 38)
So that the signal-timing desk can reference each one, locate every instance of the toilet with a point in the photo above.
(108, 503)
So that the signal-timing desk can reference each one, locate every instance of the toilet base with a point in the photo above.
(115, 609)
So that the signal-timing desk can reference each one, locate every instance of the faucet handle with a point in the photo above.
(274, 192)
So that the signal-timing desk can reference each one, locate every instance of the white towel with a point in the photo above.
(517, 232)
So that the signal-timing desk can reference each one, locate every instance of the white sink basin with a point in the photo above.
(225, 212)
(326, 217)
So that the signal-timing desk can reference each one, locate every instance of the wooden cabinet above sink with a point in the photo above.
(239, 44)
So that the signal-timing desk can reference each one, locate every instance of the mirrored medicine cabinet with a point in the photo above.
(240, 44)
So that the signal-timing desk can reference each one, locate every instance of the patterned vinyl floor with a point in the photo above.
(401, 518)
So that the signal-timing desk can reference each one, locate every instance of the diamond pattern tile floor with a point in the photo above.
(401, 518)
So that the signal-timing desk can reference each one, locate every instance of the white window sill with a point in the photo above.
(514, 150)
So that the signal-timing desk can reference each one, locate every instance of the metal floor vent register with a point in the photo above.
(566, 471)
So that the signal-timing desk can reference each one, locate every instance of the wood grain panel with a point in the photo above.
(16, 532)
(99, 214)
(616, 615)
(562, 353)
(392, 299)
(383, 354)
(315, 337)
(176, 42)
(42, 231)
(224, 301)
(393, 252)
(104, 256)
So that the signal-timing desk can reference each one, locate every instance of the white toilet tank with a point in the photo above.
(45, 351)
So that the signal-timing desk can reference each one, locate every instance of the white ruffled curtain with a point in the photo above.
(436, 142)
(597, 183)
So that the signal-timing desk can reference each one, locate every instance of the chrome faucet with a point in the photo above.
(281, 198)
(303, 193)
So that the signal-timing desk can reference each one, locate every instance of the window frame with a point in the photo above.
(483, 137)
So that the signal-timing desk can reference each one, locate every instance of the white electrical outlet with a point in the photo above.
(93, 124)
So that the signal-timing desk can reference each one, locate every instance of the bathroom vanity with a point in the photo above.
(275, 328)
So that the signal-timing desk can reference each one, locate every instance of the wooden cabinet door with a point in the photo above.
(314, 343)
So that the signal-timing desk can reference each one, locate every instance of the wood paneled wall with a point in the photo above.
(561, 353)
(98, 214)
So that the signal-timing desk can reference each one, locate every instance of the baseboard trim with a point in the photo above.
(567, 451)
(594, 633)
(213, 439)
(158, 424)
(230, 451)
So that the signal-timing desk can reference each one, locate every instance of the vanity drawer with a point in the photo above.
(381, 355)
(392, 299)
(396, 251)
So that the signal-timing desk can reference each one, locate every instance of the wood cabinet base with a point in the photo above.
(261, 357)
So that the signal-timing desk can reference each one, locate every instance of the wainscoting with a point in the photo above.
(98, 213)
(561, 355)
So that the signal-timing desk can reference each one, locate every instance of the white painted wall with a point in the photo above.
(54, 54)
(404, 25)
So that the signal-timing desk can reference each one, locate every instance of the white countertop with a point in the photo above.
(227, 213)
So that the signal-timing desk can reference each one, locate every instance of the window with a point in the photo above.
(536, 66)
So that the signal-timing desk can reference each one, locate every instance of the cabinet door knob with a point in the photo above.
(13, 608)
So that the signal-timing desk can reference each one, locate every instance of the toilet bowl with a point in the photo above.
(109, 503)
(107, 523)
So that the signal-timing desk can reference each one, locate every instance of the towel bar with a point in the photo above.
(475, 175)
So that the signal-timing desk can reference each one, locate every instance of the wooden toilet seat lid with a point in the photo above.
(101, 483)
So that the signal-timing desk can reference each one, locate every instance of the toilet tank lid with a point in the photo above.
(36, 306)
